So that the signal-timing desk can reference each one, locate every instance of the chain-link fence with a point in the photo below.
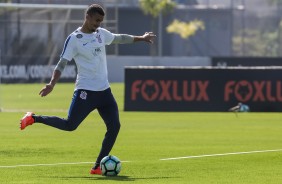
(232, 27)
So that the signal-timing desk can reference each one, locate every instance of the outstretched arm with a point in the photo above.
(125, 38)
(147, 37)
(55, 77)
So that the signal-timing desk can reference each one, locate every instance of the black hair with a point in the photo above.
(95, 8)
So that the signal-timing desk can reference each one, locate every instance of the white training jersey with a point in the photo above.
(89, 54)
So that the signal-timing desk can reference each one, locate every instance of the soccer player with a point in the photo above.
(86, 45)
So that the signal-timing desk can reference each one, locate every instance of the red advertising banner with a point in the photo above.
(207, 89)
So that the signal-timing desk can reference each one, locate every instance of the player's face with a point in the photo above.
(94, 21)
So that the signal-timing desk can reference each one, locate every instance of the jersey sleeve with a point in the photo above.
(109, 37)
(69, 50)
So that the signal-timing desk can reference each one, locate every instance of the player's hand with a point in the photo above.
(46, 90)
(149, 37)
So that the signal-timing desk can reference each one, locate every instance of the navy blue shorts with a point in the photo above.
(84, 102)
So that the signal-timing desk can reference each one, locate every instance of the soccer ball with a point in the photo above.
(110, 165)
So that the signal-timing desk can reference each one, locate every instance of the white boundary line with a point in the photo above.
(222, 154)
(34, 165)
(163, 159)
(54, 164)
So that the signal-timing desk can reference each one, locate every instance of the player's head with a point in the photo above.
(94, 15)
(94, 9)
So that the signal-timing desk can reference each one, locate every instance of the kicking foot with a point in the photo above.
(27, 120)
(96, 171)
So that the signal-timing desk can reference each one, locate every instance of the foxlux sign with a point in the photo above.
(167, 90)
(202, 89)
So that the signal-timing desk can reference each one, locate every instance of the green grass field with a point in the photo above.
(144, 139)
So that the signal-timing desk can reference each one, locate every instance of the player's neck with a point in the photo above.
(85, 30)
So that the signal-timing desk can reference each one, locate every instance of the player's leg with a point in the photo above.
(110, 115)
(79, 109)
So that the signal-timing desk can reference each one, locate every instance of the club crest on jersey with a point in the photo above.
(79, 36)
(96, 51)
(99, 38)
(83, 95)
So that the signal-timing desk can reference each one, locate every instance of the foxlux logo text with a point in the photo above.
(197, 90)
(169, 90)
(256, 91)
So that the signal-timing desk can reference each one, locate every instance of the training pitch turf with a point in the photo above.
(155, 147)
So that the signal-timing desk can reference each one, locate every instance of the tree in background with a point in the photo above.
(185, 29)
(278, 3)
(156, 8)
(257, 43)
(275, 2)
(265, 41)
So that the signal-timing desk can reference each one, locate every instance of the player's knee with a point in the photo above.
(117, 126)
(114, 128)
(71, 127)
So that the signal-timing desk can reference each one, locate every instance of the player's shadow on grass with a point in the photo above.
(117, 178)
(128, 178)
(114, 178)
